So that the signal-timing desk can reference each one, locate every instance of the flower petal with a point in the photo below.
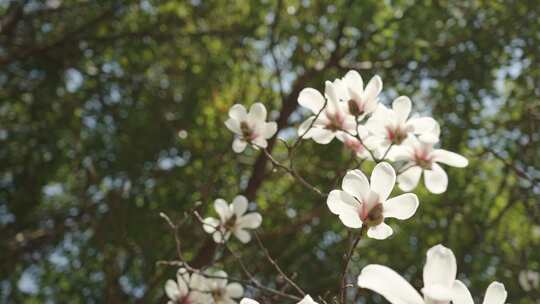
(307, 300)
(242, 235)
(321, 136)
(257, 112)
(311, 99)
(238, 112)
(373, 88)
(251, 221)
(171, 289)
(440, 267)
(436, 179)
(235, 290)
(351, 219)
(421, 125)
(356, 184)
(240, 205)
(223, 209)
(248, 301)
(401, 207)
(341, 202)
(449, 158)
(402, 107)
(408, 180)
(233, 125)
(210, 224)
(270, 128)
(495, 294)
(304, 127)
(461, 293)
(380, 232)
(383, 179)
(389, 284)
(239, 145)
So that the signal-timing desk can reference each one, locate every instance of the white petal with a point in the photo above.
(495, 294)
(449, 158)
(341, 202)
(356, 184)
(388, 284)
(440, 268)
(351, 219)
(171, 289)
(332, 96)
(239, 145)
(321, 136)
(259, 142)
(354, 81)
(251, 220)
(240, 204)
(238, 112)
(307, 300)
(248, 301)
(182, 279)
(383, 179)
(373, 88)
(461, 293)
(305, 126)
(233, 125)
(257, 112)
(402, 108)
(436, 179)
(223, 209)
(401, 207)
(438, 294)
(235, 290)
(408, 180)
(220, 236)
(311, 99)
(380, 232)
(242, 235)
(270, 128)
(210, 224)
(422, 125)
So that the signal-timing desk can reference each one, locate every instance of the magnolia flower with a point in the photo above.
(179, 291)
(495, 294)
(361, 101)
(364, 203)
(221, 291)
(306, 300)
(250, 127)
(393, 126)
(333, 119)
(232, 219)
(440, 284)
(422, 157)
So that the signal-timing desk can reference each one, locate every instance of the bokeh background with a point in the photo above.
(113, 111)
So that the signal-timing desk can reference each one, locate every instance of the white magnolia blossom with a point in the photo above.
(333, 119)
(220, 290)
(186, 289)
(440, 284)
(361, 101)
(250, 127)
(306, 300)
(393, 125)
(495, 294)
(364, 202)
(529, 280)
(422, 157)
(232, 219)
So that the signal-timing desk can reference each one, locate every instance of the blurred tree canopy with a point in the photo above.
(113, 111)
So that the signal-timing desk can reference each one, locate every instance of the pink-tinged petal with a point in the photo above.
(171, 289)
(495, 294)
(238, 112)
(402, 107)
(269, 129)
(401, 207)
(389, 284)
(383, 179)
(440, 268)
(242, 235)
(408, 180)
(223, 209)
(461, 294)
(449, 158)
(351, 219)
(356, 184)
(380, 232)
(436, 179)
(210, 224)
(235, 290)
(311, 99)
(239, 145)
(233, 125)
(373, 88)
(248, 301)
(307, 300)
(251, 220)
(341, 202)
(239, 205)
(304, 126)
(257, 112)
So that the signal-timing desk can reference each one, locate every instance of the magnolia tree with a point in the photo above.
(403, 148)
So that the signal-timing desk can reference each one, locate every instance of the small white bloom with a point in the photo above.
(232, 219)
(361, 101)
(250, 127)
(334, 118)
(393, 126)
(422, 157)
(186, 289)
(306, 300)
(440, 284)
(220, 290)
(495, 294)
(364, 203)
(529, 280)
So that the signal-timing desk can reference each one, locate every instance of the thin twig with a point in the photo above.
(348, 257)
